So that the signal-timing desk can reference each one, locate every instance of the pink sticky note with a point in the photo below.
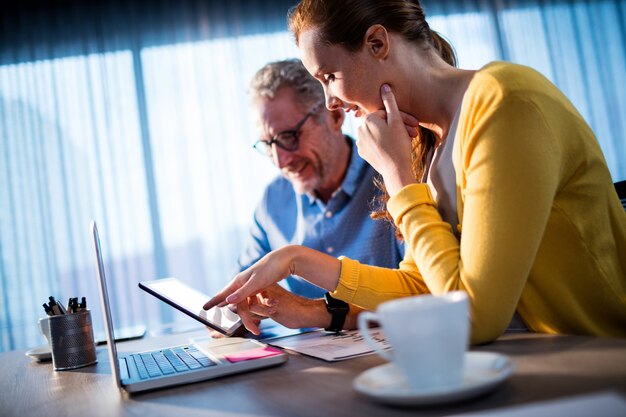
(257, 353)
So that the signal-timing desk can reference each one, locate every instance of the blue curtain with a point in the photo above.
(579, 45)
(135, 114)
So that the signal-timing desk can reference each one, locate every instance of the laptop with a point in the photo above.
(181, 364)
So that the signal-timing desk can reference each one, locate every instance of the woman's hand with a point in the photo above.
(288, 309)
(384, 142)
(240, 332)
(318, 268)
(243, 289)
(411, 124)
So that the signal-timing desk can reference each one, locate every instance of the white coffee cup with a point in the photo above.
(44, 328)
(428, 334)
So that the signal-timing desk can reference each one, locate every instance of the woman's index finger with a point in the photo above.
(389, 101)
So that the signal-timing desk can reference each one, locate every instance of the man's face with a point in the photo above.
(313, 165)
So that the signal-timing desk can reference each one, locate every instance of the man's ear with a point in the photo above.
(377, 41)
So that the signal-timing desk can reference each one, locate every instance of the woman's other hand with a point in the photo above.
(384, 142)
(290, 310)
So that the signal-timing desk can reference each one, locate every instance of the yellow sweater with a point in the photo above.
(542, 228)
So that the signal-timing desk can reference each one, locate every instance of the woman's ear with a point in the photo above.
(377, 41)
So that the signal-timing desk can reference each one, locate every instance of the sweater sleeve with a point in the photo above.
(508, 178)
(367, 286)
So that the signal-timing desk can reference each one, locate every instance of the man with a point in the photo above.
(321, 199)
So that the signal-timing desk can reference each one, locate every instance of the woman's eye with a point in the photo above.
(329, 77)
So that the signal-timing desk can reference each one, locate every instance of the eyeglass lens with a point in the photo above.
(287, 140)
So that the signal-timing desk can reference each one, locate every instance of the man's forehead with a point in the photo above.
(274, 115)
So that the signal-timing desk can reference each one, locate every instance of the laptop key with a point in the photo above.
(141, 368)
(201, 358)
(206, 362)
(151, 365)
(163, 363)
(187, 358)
(193, 364)
(178, 364)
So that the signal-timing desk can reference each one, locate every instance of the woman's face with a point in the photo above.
(351, 80)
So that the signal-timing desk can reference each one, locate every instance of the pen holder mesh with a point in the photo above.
(72, 342)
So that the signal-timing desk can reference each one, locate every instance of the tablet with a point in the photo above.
(184, 298)
(122, 334)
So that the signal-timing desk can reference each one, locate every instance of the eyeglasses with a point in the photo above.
(288, 140)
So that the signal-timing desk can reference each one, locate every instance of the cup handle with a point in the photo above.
(44, 329)
(363, 320)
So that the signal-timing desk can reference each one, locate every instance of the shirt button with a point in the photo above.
(329, 214)
(330, 249)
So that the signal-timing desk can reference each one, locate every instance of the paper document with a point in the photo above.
(331, 346)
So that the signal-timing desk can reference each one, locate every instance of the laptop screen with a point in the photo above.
(106, 308)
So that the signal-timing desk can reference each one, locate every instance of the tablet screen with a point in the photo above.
(190, 301)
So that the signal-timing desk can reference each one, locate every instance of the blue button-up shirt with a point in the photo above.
(340, 227)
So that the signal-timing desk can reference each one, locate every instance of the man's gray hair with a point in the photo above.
(288, 73)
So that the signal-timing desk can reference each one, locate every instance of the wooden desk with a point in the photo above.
(548, 367)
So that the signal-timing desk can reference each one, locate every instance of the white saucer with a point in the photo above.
(483, 371)
(41, 353)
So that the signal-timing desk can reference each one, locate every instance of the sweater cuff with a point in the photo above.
(348, 280)
(410, 196)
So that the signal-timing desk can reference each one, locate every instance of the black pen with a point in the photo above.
(54, 307)
(47, 309)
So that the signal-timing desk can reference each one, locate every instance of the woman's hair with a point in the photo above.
(345, 22)
(288, 73)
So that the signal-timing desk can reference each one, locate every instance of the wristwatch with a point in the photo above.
(338, 310)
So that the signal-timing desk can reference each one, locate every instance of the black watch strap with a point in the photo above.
(338, 310)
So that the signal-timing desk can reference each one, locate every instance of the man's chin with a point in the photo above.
(303, 182)
(303, 187)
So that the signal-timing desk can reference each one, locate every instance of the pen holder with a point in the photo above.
(71, 340)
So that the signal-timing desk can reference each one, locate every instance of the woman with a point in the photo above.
(512, 203)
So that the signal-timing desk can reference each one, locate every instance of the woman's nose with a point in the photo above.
(332, 102)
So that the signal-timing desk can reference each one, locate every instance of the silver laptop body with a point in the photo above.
(174, 365)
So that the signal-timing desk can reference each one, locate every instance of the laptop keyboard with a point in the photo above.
(170, 361)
